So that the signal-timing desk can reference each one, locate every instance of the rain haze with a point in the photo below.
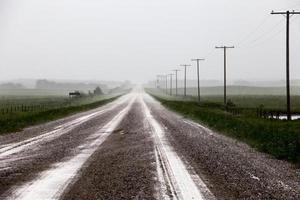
(149, 99)
(137, 39)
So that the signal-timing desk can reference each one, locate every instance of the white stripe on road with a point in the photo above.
(207, 130)
(186, 186)
(58, 131)
(51, 184)
(13, 148)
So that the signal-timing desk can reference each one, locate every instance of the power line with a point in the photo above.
(263, 22)
(292, 7)
(210, 53)
(274, 35)
(258, 43)
(248, 35)
(271, 35)
(266, 32)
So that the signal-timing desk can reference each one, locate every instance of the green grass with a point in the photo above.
(16, 121)
(34, 92)
(276, 102)
(240, 90)
(278, 138)
(17, 104)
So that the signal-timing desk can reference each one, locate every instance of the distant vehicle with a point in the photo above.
(75, 94)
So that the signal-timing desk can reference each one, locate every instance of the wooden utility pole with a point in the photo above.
(157, 81)
(176, 70)
(198, 76)
(171, 80)
(287, 14)
(166, 76)
(160, 80)
(185, 77)
(225, 48)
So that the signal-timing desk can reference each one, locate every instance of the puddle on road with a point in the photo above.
(284, 117)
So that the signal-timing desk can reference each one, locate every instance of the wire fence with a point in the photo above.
(19, 105)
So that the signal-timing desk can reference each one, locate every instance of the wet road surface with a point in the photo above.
(133, 148)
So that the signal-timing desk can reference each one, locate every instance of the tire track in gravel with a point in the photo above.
(16, 147)
(124, 167)
(51, 183)
(178, 179)
(231, 169)
(27, 164)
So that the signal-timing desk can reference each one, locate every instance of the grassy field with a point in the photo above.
(33, 92)
(16, 103)
(240, 90)
(270, 100)
(19, 112)
(278, 138)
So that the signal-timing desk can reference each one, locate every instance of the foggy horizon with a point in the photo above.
(149, 99)
(136, 40)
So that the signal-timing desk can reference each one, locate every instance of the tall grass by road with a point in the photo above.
(278, 138)
(15, 104)
(239, 90)
(16, 121)
(272, 101)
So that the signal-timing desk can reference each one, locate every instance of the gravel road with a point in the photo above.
(134, 148)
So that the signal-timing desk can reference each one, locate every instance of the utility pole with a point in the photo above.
(176, 70)
(161, 82)
(166, 77)
(160, 77)
(225, 48)
(171, 80)
(198, 63)
(287, 14)
(157, 81)
(185, 77)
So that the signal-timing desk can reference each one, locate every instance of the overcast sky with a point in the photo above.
(137, 39)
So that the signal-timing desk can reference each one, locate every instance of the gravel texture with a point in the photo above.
(124, 166)
(231, 169)
(25, 165)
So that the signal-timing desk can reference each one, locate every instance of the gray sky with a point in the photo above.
(137, 39)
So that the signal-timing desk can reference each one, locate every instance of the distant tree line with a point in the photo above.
(52, 85)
